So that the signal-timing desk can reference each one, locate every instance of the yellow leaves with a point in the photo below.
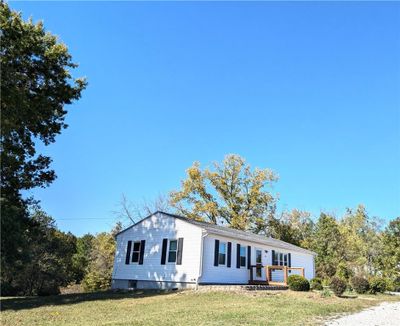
(232, 191)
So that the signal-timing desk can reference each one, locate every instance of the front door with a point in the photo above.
(259, 270)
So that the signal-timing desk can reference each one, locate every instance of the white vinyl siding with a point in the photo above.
(153, 230)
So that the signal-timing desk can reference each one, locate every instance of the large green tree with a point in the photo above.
(231, 194)
(36, 85)
(327, 243)
(390, 256)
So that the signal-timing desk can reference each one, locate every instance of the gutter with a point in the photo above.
(201, 258)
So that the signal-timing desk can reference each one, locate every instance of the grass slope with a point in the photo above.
(181, 308)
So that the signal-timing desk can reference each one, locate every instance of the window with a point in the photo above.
(280, 259)
(222, 253)
(173, 247)
(242, 256)
(258, 263)
(132, 284)
(136, 252)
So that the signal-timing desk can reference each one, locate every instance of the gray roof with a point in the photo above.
(229, 232)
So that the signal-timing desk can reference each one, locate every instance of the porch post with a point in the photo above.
(285, 275)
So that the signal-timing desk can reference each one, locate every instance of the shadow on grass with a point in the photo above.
(21, 303)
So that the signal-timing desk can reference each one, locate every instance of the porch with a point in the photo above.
(275, 275)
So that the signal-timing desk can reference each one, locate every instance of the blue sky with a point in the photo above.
(310, 90)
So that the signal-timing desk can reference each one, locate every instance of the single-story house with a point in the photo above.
(169, 251)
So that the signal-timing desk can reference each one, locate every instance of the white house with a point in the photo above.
(169, 251)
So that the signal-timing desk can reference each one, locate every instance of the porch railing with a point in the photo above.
(268, 273)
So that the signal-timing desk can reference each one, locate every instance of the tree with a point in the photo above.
(81, 258)
(35, 87)
(98, 276)
(362, 239)
(295, 227)
(230, 194)
(390, 255)
(327, 243)
(130, 213)
(48, 259)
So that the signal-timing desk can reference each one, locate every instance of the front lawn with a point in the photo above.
(181, 308)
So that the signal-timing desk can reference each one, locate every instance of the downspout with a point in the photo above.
(201, 258)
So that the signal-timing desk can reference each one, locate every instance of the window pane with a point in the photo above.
(281, 259)
(135, 257)
(136, 246)
(258, 272)
(285, 259)
(222, 247)
(221, 259)
(242, 251)
(172, 245)
(242, 261)
(258, 256)
(172, 257)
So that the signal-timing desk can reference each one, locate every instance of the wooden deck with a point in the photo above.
(268, 273)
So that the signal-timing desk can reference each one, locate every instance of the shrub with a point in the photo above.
(343, 271)
(359, 284)
(377, 285)
(338, 286)
(316, 284)
(326, 293)
(298, 283)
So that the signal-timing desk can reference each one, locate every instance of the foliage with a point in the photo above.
(360, 284)
(343, 271)
(295, 227)
(338, 286)
(327, 243)
(316, 284)
(81, 258)
(230, 194)
(377, 284)
(298, 283)
(326, 293)
(35, 87)
(48, 259)
(99, 271)
(390, 258)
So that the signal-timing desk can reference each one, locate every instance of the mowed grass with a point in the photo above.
(181, 308)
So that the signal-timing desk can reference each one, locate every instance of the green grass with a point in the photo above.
(181, 308)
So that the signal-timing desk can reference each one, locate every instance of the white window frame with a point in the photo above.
(138, 252)
(176, 251)
(225, 253)
(283, 261)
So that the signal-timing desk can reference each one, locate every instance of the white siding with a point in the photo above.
(224, 274)
(154, 229)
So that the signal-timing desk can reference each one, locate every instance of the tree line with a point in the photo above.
(38, 258)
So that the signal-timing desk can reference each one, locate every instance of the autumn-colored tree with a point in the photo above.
(231, 194)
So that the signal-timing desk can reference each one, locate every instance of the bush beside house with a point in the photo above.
(298, 283)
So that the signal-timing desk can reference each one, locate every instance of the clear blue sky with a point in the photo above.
(310, 90)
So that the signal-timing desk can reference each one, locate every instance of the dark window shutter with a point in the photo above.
(216, 252)
(179, 254)
(248, 257)
(289, 259)
(164, 251)
(273, 257)
(142, 246)
(228, 264)
(237, 255)
(128, 252)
